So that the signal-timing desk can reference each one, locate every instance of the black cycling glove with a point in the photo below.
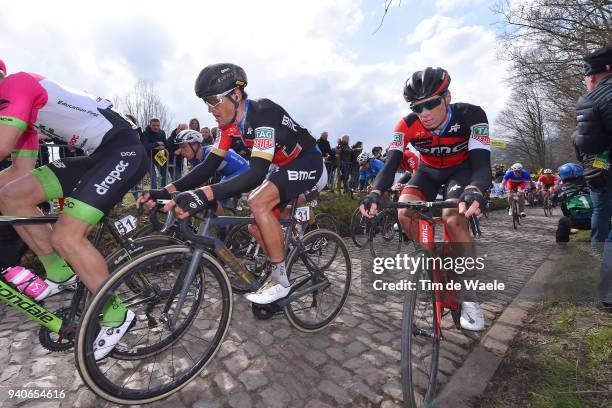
(372, 198)
(472, 194)
(161, 194)
(192, 201)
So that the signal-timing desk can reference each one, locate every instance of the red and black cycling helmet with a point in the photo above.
(216, 79)
(426, 83)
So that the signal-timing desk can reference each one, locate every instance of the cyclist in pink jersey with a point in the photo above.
(115, 160)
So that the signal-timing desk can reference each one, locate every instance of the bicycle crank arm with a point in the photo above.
(298, 294)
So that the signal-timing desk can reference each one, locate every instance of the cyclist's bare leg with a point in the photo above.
(20, 167)
(510, 197)
(408, 219)
(21, 197)
(458, 233)
(256, 233)
(262, 202)
(521, 195)
(69, 239)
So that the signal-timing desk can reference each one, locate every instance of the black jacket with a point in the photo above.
(150, 139)
(594, 129)
(325, 148)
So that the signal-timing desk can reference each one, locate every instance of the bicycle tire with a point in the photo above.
(301, 275)
(323, 221)
(359, 228)
(141, 245)
(418, 376)
(251, 254)
(216, 281)
(384, 236)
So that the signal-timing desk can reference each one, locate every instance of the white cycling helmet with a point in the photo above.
(516, 167)
(363, 157)
(547, 171)
(188, 136)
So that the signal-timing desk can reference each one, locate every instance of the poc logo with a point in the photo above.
(112, 177)
(301, 175)
(59, 164)
(124, 154)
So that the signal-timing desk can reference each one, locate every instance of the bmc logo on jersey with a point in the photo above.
(264, 138)
(480, 132)
(289, 123)
(443, 150)
(301, 175)
(112, 177)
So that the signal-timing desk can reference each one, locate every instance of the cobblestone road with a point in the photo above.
(354, 362)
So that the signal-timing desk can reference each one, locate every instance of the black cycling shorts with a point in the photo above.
(302, 174)
(93, 184)
(426, 181)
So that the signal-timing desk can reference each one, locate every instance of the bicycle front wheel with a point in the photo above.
(386, 235)
(420, 345)
(162, 352)
(360, 227)
(320, 266)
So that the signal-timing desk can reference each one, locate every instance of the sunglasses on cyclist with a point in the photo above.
(429, 105)
(214, 100)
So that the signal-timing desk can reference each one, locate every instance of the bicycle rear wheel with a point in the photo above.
(322, 258)
(360, 227)
(386, 235)
(323, 221)
(154, 360)
(420, 346)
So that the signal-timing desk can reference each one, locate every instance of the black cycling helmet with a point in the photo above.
(216, 79)
(426, 83)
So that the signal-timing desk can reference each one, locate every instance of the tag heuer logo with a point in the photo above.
(398, 137)
(264, 138)
(481, 129)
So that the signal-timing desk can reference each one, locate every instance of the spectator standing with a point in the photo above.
(356, 150)
(343, 150)
(593, 140)
(575, 200)
(154, 141)
(194, 124)
(207, 136)
(329, 156)
(175, 158)
(377, 153)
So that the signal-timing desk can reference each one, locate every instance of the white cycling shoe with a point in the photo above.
(270, 292)
(510, 212)
(109, 336)
(472, 317)
(54, 288)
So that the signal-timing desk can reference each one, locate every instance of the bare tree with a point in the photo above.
(523, 122)
(144, 103)
(545, 41)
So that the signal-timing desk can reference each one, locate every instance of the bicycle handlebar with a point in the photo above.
(422, 204)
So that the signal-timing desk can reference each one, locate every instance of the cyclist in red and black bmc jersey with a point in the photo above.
(274, 138)
(453, 140)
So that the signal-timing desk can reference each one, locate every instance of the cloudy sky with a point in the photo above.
(316, 58)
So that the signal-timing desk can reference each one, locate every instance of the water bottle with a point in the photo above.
(27, 282)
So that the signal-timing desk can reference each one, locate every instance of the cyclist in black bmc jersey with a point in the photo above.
(453, 140)
(273, 137)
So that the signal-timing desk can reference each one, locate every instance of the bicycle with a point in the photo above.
(245, 247)
(426, 306)
(548, 206)
(188, 305)
(360, 227)
(58, 328)
(514, 209)
(385, 234)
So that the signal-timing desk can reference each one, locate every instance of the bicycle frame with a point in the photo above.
(34, 310)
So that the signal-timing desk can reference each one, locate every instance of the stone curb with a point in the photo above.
(472, 378)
